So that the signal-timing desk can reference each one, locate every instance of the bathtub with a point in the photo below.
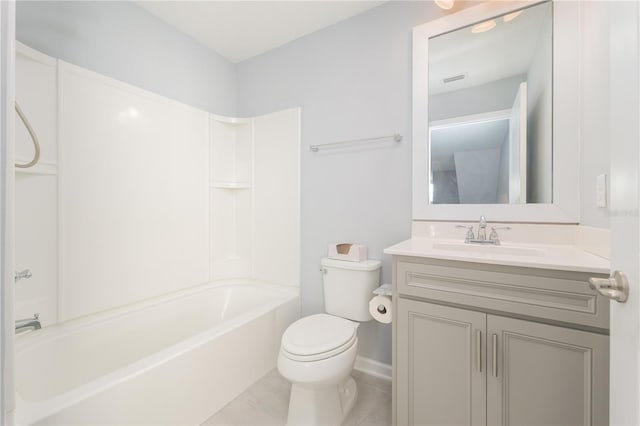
(172, 360)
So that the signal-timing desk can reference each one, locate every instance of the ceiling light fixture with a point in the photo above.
(511, 16)
(444, 4)
(483, 26)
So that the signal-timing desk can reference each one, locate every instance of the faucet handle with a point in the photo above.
(494, 234)
(469, 235)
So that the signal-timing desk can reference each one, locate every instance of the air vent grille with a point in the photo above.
(454, 78)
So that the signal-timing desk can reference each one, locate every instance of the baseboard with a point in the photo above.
(373, 368)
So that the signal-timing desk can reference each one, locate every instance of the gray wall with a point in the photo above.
(353, 80)
(125, 42)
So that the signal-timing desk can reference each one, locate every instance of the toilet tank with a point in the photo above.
(348, 287)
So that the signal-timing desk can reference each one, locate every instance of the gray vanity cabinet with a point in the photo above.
(465, 354)
(438, 381)
(545, 375)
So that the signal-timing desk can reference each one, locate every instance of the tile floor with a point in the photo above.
(266, 402)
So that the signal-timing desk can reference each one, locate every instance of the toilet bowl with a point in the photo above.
(318, 352)
(317, 357)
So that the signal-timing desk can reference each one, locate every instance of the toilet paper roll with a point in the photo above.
(380, 309)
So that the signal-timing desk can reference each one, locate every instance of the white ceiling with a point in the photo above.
(239, 30)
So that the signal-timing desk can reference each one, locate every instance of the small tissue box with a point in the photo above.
(348, 251)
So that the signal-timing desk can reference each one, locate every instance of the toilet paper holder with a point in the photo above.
(383, 290)
(380, 306)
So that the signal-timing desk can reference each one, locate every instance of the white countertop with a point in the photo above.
(542, 256)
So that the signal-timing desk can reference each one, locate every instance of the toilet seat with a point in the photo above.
(318, 337)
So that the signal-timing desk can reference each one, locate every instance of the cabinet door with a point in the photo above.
(441, 374)
(545, 375)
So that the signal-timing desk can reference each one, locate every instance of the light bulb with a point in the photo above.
(511, 16)
(444, 4)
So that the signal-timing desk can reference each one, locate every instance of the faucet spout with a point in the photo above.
(482, 228)
(28, 324)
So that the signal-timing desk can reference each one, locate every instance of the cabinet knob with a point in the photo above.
(616, 287)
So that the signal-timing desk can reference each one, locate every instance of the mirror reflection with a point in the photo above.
(490, 111)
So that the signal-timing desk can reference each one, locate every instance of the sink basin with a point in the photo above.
(489, 249)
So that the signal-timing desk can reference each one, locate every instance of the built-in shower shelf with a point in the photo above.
(231, 185)
(39, 169)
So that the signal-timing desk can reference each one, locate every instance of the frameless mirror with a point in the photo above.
(490, 92)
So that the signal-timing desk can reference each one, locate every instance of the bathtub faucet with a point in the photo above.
(29, 323)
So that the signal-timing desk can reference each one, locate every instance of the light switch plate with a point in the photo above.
(601, 190)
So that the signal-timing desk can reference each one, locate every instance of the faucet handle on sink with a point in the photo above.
(469, 235)
(494, 234)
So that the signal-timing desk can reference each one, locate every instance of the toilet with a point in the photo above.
(318, 352)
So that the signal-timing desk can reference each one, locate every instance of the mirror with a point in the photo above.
(496, 113)
(490, 109)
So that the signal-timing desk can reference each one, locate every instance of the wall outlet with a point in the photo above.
(601, 190)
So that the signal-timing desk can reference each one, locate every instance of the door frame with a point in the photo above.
(7, 99)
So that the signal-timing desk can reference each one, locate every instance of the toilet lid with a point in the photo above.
(317, 334)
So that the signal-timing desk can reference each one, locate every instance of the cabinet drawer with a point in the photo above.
(546, 294)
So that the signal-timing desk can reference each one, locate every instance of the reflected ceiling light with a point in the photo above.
(483, 26)
(511, 16)
(444, 4)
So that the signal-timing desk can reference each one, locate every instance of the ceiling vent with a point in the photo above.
(454, 78)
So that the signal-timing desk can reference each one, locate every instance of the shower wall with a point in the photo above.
(36, 187)
(138, 195)
(133, 205)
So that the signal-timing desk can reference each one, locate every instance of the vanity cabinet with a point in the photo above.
(438, 379)
(545, 375)
(478, 344)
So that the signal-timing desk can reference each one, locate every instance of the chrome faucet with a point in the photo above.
(28, 323)
(470, 238)
(482, 229)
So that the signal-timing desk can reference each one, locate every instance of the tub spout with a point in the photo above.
(28, 324)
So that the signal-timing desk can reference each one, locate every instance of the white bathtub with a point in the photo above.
(173, 360)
